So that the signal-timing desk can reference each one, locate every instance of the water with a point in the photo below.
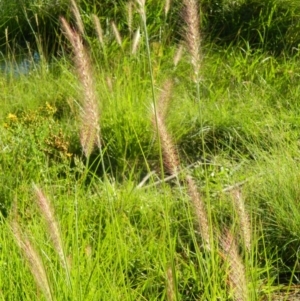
(21, 67)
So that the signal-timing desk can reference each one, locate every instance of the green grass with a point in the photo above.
(123, 242)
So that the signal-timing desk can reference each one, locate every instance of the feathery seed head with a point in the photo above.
(99, 30)
(33, 259)
(200, 212)
(116, 33)
(53, 227)
(141, 9)
(77, 16)
(170, 156)
(167, 6)
(129, 6)
(170, 285)
(136, 40)
(236, 269)
(192, 34)
(164, 98)
(89, 129)
(178, 55)
(243, 217)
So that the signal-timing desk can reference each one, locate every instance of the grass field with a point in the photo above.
(137, 170)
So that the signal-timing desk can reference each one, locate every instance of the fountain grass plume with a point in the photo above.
(236, 270)
(33, 259)
(164, 98)
(172, 163)
(169, 152)
(200, 212)
(193, 39)
(136, 41)
(192, 34)
(141, 9)
(78, 19)
(98, 29)
(243, 218)
(171, 292)
(89, 128)
(167, 6)
(129, 6)
(178, 55)
(116, 33)
(47, 213)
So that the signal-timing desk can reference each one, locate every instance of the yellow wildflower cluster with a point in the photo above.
(49, 109)
(55, 143)
(11, 118)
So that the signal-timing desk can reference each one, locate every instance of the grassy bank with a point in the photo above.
(132, 169)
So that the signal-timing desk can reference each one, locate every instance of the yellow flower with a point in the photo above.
(12, 117)
(49, 108)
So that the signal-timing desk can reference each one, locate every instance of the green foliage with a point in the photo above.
(30, 141)
(269, 25)
(121, 238)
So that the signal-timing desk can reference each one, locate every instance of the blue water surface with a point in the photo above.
(20, 67)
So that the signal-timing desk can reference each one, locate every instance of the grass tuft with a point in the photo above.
(232, 164)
